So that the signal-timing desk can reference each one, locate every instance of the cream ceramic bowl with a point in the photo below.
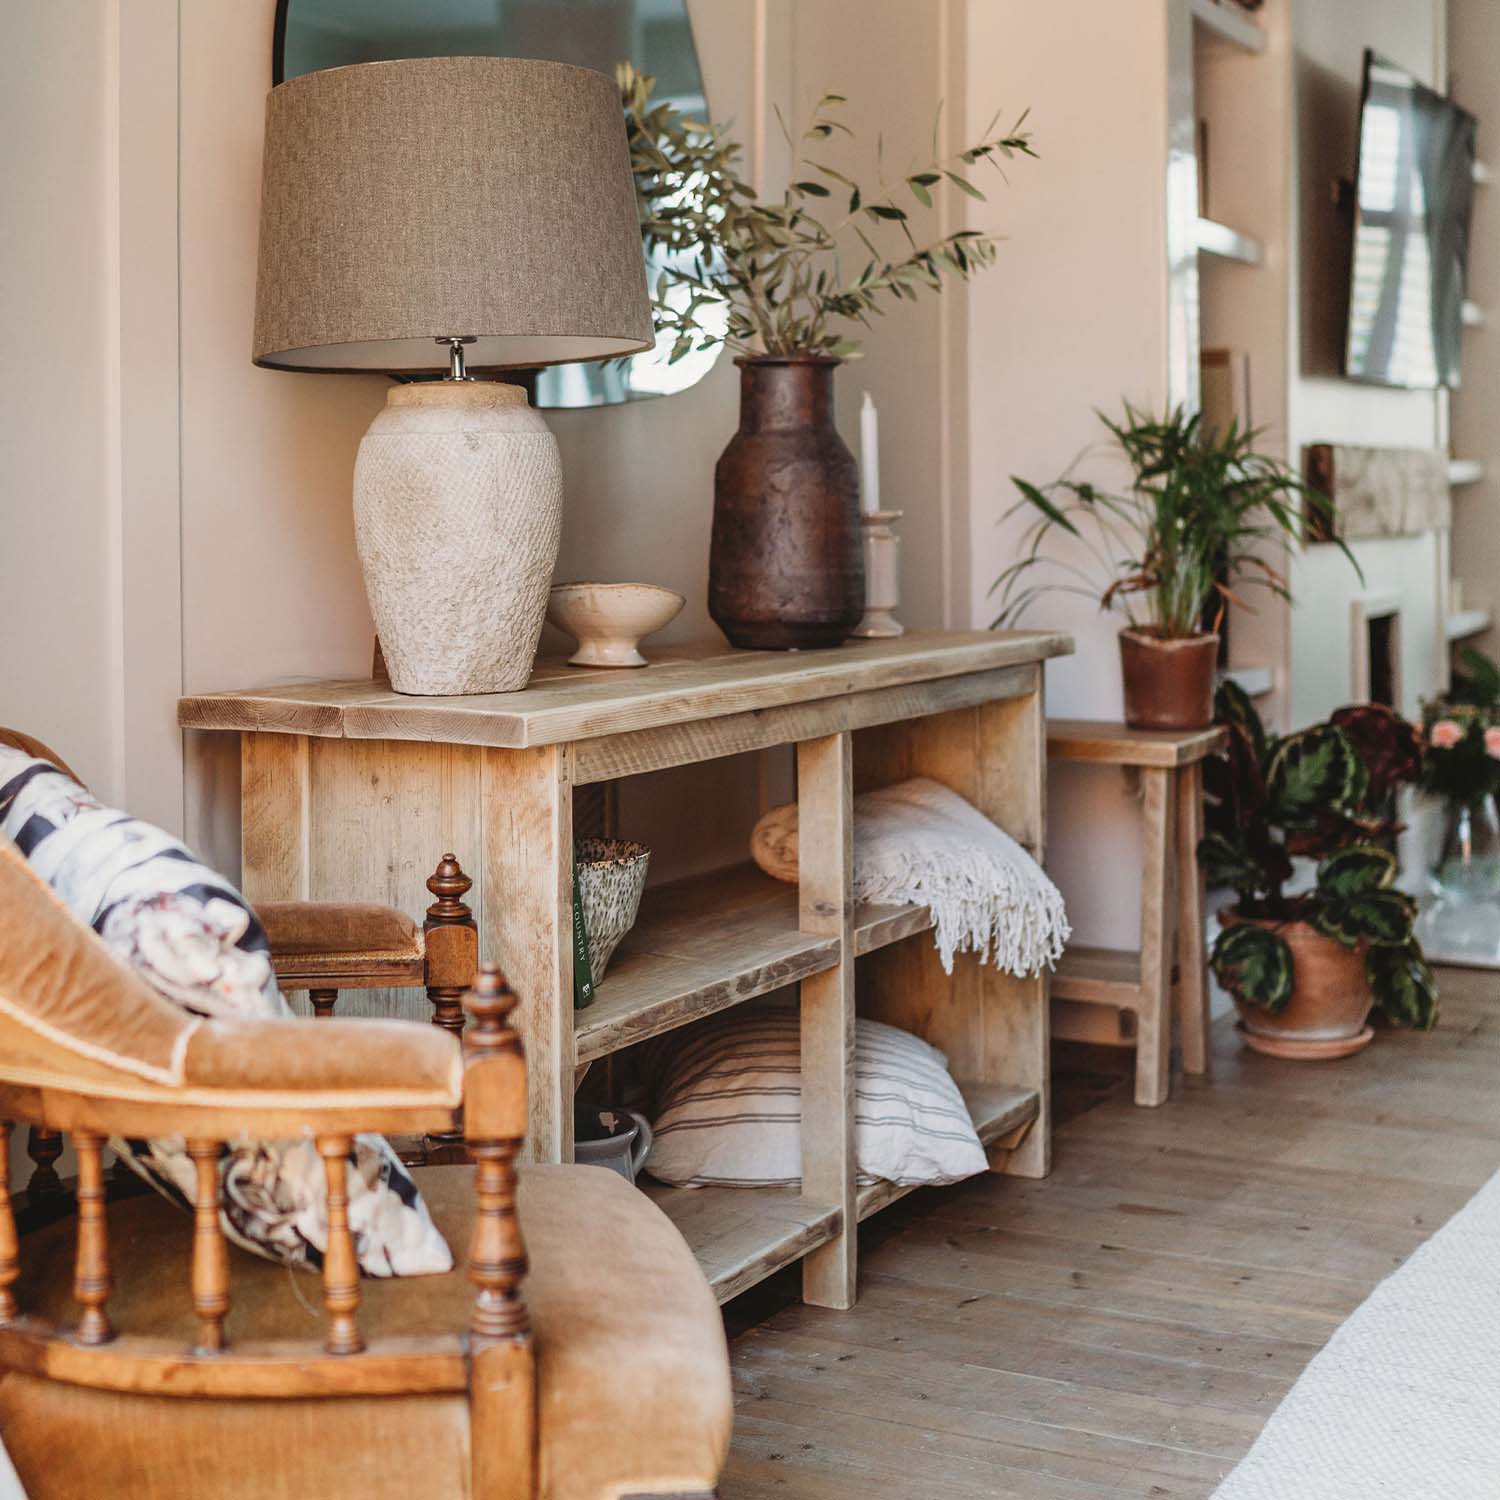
(608, 620)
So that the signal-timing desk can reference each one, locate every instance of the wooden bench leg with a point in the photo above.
(1192, 972)
(1153, 1058)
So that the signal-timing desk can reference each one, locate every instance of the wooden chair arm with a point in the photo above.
(265, 1078)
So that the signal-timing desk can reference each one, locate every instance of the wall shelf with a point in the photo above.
(1224, 23)
(1228, 244)
(1462, 471)
(1467, 623)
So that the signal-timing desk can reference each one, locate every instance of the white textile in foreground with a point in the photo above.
(918, 842)
(1404, 1401)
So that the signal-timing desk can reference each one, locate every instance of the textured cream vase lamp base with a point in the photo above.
(457, 516)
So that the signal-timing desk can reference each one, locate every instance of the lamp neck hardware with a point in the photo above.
(456, 367)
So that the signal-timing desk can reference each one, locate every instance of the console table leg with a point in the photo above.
(1192, 974)
(1153, 1058)
(826, 844)
(527, 924)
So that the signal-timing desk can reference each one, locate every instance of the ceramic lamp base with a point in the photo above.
(458, 516)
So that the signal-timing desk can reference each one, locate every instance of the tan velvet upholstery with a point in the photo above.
(298, 1055)
(57, 977)
(70, 1443)
(300, 930)
(634, 1395)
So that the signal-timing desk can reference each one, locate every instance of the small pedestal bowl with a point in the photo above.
(608, 620)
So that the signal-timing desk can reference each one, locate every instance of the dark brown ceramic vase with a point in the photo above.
(1169, 684)
(786, 563)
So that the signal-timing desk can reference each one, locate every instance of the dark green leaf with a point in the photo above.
(1254, 965)
(1382, 918)
(1043, 504)
(885, 211)
(811, 189)
(1232, 705)
(1403, 986)
(1226, 862)
(1353, 872)
(1312, 771)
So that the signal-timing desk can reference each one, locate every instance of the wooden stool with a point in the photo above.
(1171, 770)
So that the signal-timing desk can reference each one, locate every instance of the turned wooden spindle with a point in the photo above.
(323, 1002)
(91, 1281)
(494, 1126)
(340, 1266)
(44, 1147)
(451, 943)
(10, 1246)
(210, 1253)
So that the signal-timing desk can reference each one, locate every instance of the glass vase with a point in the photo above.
(1468, 869)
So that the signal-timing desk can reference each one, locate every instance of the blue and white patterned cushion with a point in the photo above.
(191, 935)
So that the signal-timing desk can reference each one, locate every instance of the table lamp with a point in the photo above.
(428, 214)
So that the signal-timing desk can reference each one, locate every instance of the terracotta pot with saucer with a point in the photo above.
(1328, 1013)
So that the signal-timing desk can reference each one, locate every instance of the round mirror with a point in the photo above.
(655, 35)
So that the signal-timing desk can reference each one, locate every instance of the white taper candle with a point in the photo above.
(869, 454)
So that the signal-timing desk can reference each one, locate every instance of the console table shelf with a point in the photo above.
(348, 790)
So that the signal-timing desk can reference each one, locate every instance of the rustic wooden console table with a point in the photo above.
(347, 784)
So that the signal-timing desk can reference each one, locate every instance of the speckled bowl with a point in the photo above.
(609, 620)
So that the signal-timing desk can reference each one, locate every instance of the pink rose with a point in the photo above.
(1492, 742)
(1446, 733)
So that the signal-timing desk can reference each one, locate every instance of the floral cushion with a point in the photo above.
(190, 935)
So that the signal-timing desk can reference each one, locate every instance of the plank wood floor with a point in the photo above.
(1123, 1328)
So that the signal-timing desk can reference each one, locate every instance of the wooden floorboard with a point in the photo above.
(1124, 1327)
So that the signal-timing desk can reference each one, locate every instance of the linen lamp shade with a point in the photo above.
(488, 198)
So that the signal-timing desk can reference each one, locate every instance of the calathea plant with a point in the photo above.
(1326, 794)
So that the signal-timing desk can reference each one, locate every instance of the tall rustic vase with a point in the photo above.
(786, 564)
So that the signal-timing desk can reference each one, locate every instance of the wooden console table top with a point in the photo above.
(564, 704)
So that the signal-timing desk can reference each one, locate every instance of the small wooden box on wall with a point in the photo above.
(1379, 491)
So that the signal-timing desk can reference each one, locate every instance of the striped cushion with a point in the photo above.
(193, 938)
(730, 1107)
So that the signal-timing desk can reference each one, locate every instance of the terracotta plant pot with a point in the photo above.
(786, 563)
(1169, 684)
(1331, 1000)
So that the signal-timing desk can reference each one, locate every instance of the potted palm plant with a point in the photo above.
(1204, 514)
(1306, 965)
(781, 283)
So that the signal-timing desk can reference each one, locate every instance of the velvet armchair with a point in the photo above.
(141, 1355)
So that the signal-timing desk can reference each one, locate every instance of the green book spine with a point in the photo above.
(583, 973)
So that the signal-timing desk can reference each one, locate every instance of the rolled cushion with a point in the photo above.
(185, 931)
(632, 1367)
(730, 1107)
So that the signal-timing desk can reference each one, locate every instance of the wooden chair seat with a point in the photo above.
(632, 1377)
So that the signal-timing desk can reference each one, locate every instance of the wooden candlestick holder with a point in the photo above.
(882, 575)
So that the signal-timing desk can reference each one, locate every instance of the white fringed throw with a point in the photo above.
(918, 842)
